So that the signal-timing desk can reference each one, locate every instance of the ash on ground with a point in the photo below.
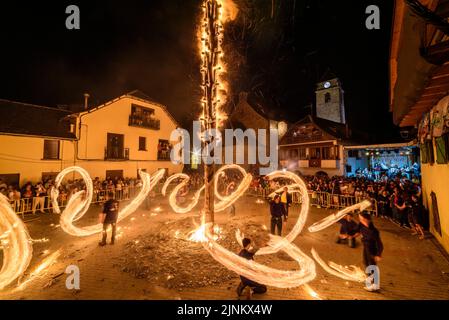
(169, 259)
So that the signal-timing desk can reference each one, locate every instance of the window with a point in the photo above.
(327, 97)
(51, 149)
(327, 153)
(294, 154)
(142, 144)
(302, 153)
(442, 144)
(10, 179)
(115, 149)
(435, 213)
(427, 155)
(315, 153)
(143, 117)
(163, 150)
(114, 174)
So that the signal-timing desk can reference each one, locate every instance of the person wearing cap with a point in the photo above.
(277, 210)
(348, 230)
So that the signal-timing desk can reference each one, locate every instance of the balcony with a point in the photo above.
(319, 163)
(147, 123)
(163, 155)
(116, 154)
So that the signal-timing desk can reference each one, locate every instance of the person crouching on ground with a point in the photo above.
(372, 245)
(109, 218)
(248, 253)
(348, 230)
(277, 210)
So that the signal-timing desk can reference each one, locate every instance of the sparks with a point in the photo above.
(40, 270)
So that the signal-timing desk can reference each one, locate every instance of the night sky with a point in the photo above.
(151, 46)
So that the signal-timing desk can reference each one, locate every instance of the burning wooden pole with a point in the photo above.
(211, 38)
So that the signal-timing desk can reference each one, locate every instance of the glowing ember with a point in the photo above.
(40, 269)
(312, 292)
(199, 235)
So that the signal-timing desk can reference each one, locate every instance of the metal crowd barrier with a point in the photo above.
(317, 198)
(339, 201)
(38, 204)
(322, 199)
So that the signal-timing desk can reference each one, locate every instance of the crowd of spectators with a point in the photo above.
(397, 199)
(35, 196)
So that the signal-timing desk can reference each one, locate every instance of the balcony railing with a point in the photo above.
(164, 155)
(148, 123)
(116, 154)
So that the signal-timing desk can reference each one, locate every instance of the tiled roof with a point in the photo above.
(28, 119)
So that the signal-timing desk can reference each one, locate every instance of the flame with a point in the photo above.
(331, 219)
(213, 67)
(199, 235)
(230, 10)
(16, 243)
(40, 269)
(77, 206)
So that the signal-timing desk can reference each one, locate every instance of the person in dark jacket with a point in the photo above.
(277, 210)
(348, 230)
(286, 199)
(109, 217)
(415, 216)
(372, 244)
(248, 253)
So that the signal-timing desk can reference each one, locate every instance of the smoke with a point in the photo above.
(230, 10)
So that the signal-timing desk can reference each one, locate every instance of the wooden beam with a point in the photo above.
(431, 96)
(437, 53)
(438, 82)
(436, 90)
(424, 101)
(441, 71)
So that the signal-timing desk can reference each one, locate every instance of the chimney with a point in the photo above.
(86, 101)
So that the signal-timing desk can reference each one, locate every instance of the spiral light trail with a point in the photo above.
(16, 244)
(17, 247)
(333, 218)
(80, 201)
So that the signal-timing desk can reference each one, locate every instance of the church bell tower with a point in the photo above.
(330, 101)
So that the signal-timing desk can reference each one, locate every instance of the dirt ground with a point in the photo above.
(153, 259)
